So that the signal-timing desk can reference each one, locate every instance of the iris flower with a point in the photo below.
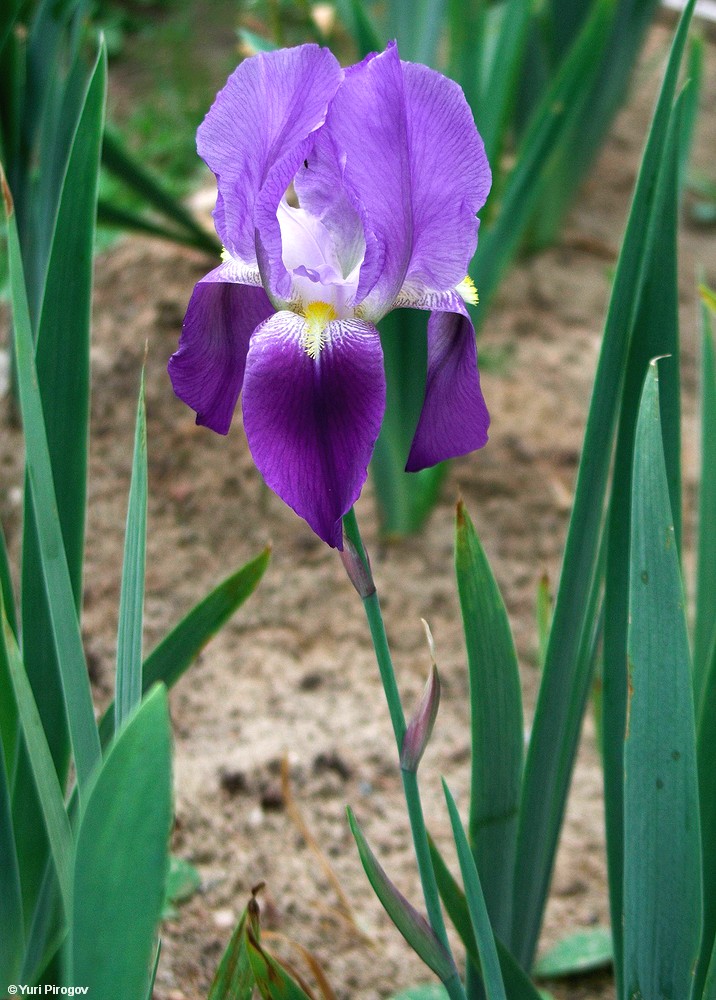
(342, 194)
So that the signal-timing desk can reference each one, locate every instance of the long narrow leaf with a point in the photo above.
(489, 962)
(496, 724)
(117, 159)
(128, 686)
(272, 980)
(662, 842)
(467, 28)
(565, 682)
(8, 708)
(404, 498)
(517, 984)
(170, 659)
(705, 654)
(416, 26)
(66, 633)
(6, 583)
(62, 360)
(656, 332)
(12, 932)
(695, 74)
(628, 23)
(492, 113)
(121, 858)
(562, 104)
(109, 214)
(705, 620)
(360, 27)
(8, 16)
(411, 924)
(49, 792)
(234, 978)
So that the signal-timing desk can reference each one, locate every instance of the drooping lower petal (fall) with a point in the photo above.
(312, 421)
(454, 418)
(207, 371)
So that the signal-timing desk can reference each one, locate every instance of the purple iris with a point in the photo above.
(343, 194)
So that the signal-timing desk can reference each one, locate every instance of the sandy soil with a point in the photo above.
(294, 671)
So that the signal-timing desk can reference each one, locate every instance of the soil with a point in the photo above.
(294, 673)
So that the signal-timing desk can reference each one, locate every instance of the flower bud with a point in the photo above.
(357, 569)
(421, 725)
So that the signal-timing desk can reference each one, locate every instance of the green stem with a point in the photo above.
(410, 778)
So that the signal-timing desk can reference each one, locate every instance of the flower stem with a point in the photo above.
(410, 778)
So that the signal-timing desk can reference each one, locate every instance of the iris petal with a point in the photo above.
(261, 118)
(454, 418)
(449, 175)
(368, 126)
(207, 371)
(312, 423)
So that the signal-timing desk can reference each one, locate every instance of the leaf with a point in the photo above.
(567, 672)
(53, 529)
(8, 16)
(121, 857)
(49, 793)
(183, 881)
(12, 932)
(272, 980)
(128, 684)
(573, 156)
(662, 844)
(580, 952)
(8, 708)
(65, 626)
(234, 979)
(6, 589)
(177, 651)
(417, 28)
(655, 332)
(692, 97)
(562, 104)
(404, 499)
(426, 991)
(517, 984)
(411, 924)
(705, 617)
(544, 618)
(254, 42)
(153, 977)
(118, 160)
(125, 218)
(489, 962)
(497, 727)
(705, 644)
(493, 113)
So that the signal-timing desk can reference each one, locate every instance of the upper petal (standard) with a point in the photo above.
(269, 106)
(449, 178)
(368, 125)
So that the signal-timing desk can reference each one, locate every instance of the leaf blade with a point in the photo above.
(489, 962)
(557, 719)
(118, 893)
(128, 687)
(662, 916)
(497, 727)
